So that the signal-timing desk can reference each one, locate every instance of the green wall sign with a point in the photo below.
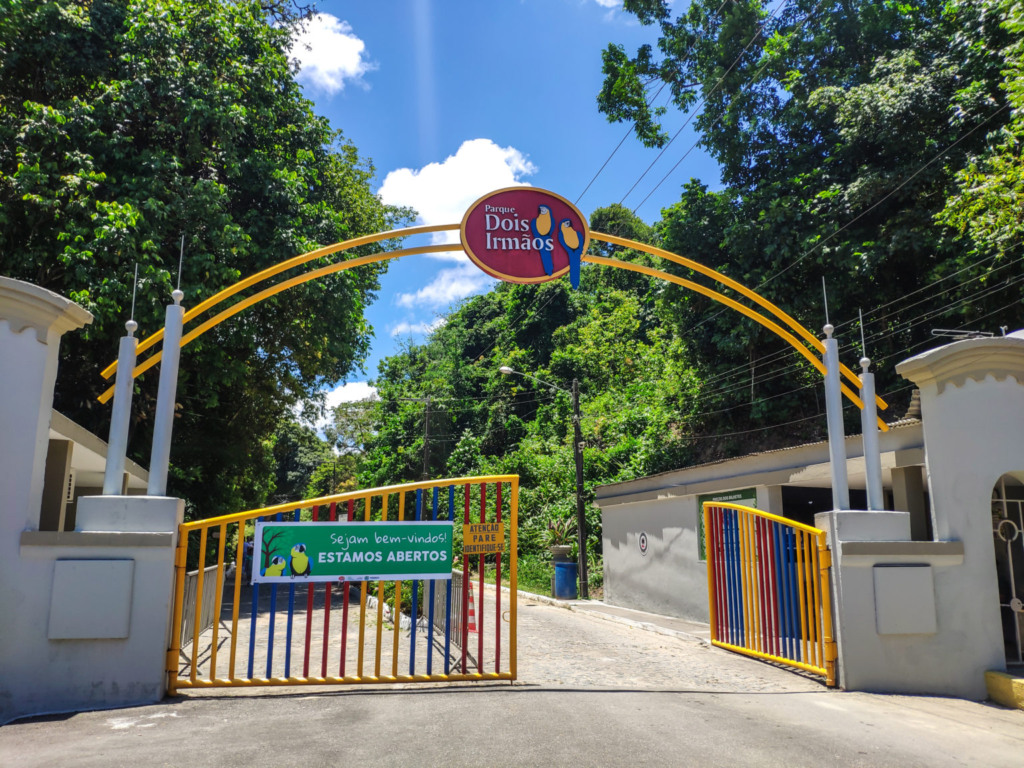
(746, 497)
(352, 551)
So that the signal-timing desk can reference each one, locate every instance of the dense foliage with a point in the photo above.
(125, 124)
(843, 129)
(876, 145)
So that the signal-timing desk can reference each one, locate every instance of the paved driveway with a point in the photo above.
(591, 692)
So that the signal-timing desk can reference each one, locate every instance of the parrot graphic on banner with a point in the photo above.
(541, 227)
(276, 567)
(573, 244)
(299, 561)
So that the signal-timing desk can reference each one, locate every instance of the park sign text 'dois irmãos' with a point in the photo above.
(526, 235)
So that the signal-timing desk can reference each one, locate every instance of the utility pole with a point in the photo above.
(581, 519)
(577, 445)
(426, 441)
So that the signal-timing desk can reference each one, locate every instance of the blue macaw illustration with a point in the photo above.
(573, 244)
(541, 227)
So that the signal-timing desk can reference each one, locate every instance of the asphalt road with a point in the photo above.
(591, 692)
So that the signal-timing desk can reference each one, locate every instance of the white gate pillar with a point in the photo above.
(32, 321)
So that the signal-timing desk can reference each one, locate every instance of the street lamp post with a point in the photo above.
(577, 443)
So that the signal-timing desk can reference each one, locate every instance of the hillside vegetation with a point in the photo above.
(872, 145)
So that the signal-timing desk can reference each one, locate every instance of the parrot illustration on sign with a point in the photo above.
(573, 244)
(541, 227)
(276, 567)
(299, 561)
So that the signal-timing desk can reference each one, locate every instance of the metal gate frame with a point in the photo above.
(1008, 529)
(769, 591)
(429, 502)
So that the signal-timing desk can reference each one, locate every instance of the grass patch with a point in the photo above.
(535, 572)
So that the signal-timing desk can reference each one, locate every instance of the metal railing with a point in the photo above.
(206, 611)
(281, 633)
(768, 588)
(440, 604)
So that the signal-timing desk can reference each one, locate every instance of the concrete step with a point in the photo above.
(1005, 688)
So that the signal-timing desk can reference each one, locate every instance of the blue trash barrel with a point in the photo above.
(565, 581)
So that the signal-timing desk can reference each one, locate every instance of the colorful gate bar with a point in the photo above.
(768, 588)
(346, 632)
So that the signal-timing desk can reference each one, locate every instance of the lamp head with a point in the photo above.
(505, 370)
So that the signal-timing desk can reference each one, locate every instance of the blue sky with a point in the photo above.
(451, 99)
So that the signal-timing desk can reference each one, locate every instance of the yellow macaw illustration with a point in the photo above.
(299, 562)
(541, 227)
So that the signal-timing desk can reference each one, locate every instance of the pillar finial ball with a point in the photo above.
(131, 326)
(865, 362)
(828, 329)
(177, 295)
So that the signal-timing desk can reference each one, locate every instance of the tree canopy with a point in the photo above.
(125, 124)
(842, 129)
(875, 145)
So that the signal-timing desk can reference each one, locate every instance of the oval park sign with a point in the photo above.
(526, 235)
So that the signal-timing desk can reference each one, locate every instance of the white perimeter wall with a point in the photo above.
(66, 645)
(669, 579)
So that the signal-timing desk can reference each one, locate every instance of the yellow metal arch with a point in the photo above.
(234, 309)
(277, 269)
(696, 266)
(747, 311)
(241, 285)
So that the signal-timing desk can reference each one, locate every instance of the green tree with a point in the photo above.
(351, 426)
(335, 475)
(839, 128)
(987, 206)
(127, 123)
(298, 453)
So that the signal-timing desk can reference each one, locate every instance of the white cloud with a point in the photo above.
(449, 286)
(350, 393)
(329, 54)
(408, 329)
(441, 192)
(609, 3)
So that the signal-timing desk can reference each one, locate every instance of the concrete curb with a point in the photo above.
(1005, 689)
(581, 606)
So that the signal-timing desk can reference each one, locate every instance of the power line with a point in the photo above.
(874, 319)
(718, 116)
(756, 429)
(633, 127)
(902, 327)
(617, 148)
(975, 321)
(872, 313)
(702, 100)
